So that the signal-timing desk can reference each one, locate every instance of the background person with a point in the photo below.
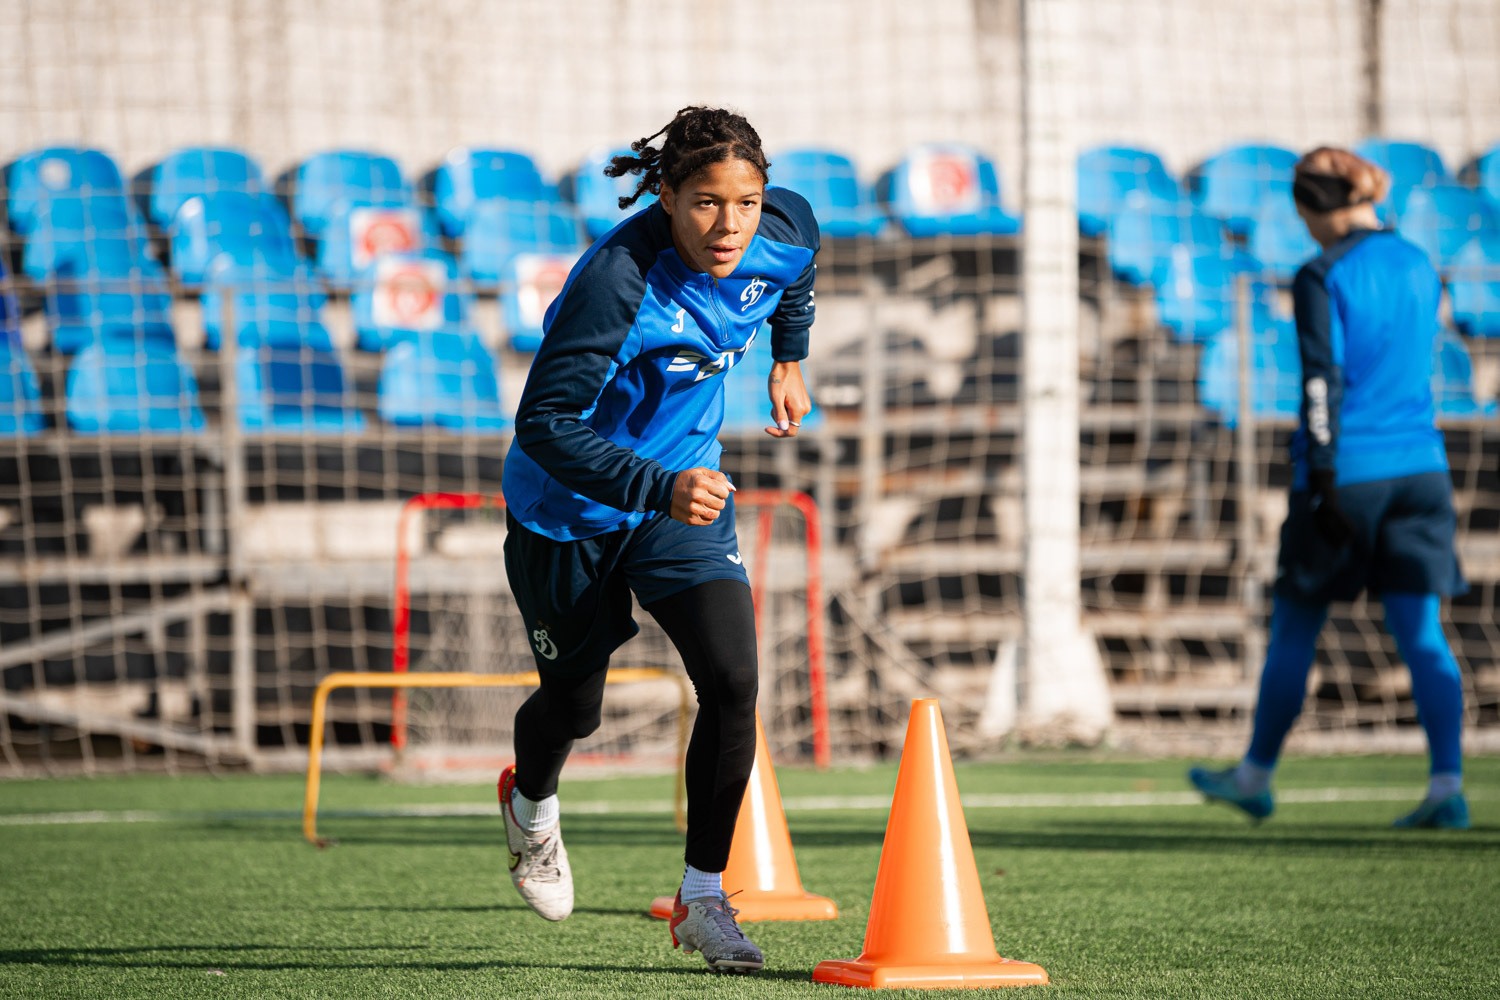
(1371, 503)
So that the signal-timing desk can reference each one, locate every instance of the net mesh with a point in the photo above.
(215, 398)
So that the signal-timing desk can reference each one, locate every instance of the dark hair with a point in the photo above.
(1329, 178)
(694, 138)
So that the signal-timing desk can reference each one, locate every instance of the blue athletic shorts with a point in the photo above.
(1403, 543)
(575, 596)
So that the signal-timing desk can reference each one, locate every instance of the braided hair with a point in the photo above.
(693, 139)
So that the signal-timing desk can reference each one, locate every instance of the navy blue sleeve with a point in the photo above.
(1322, 367)
(794, 313)
(585, 340)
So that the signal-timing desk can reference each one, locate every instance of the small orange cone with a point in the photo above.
(928, 925)
(762, 869)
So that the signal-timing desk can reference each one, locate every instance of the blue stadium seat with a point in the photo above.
(10, 307)
(355, 206)
(1111, 178)
(442, 378)
(1279, 239)
(469, 177)
(498, 232)
(1442, 218)
(1474, 286)
(1235, 185)
(827, 180)
(1453, 381)
(20, 392)
(132, 382)
(295, 388)
(273, 303)
(532, 282)
(1410, 164)
(66, 202)
(1276, 379)
(1142, 238)
(598, 196)
(405, 295)
(1198, 294)
(110, 289)
(229, 222)
(1484, 174)
(747, 405)
(946, 190)
(197, 172)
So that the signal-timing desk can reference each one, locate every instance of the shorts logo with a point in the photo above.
(736, 559)
(545, 647)
(752, 292)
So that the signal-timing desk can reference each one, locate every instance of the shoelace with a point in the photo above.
(544, 867)
(722, 915)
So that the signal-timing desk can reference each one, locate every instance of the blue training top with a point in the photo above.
(627, 388)
(1367, 318)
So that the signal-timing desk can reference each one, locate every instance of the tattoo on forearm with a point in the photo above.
(776, 381)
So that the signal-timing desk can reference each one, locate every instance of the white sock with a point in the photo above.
(534, 817)
(1252, 779)
(696, 884)
(1444, 785)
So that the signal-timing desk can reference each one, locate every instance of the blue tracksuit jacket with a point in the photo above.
(1367, 318)
(627, 388)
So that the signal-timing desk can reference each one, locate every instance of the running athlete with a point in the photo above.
(612, 487)
(1371, 503)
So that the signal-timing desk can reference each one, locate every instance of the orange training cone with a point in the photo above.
(928, 925)
(762, 869)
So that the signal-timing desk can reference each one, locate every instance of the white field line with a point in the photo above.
(818, 803)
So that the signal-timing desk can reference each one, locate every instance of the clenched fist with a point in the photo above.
(699, 495)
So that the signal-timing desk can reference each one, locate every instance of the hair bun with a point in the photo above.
(1367, 182)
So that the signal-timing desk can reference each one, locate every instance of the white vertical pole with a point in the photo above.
(242, 604)
(1063, 695)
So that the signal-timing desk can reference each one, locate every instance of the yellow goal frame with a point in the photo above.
(431, 679)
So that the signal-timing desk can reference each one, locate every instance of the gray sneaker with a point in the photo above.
(707, 925)
(538, 861)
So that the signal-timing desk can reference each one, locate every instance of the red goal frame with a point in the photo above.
(765, 504)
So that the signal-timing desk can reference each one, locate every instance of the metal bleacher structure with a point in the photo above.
(218, 388)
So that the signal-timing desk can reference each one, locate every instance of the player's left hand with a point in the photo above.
(789, 399)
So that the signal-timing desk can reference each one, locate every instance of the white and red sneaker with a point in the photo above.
(707, 925)
(538, 861)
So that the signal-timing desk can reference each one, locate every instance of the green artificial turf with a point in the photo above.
(1136, 901)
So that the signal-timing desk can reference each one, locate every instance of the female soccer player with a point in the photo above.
(1371, 503)
(612, 486)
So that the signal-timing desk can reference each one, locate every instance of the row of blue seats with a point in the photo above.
(289, 379)
(224, 226)
(1237, 217)
(87, 243)
(1276, 367)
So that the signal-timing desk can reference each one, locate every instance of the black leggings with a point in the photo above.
(713, 627)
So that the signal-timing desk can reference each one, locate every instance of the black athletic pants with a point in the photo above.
(712, 625)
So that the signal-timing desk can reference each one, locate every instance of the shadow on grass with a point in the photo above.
(225, 958)
(1210, 837)
(606, 911)
(481, 831)
(1215, 831)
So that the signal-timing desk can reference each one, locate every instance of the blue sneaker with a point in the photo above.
(1451, 813)
(1221, 785)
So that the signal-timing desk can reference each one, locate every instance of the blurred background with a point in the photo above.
(273, 274)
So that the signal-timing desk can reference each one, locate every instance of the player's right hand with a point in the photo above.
(1328, 517)
(699, 495)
